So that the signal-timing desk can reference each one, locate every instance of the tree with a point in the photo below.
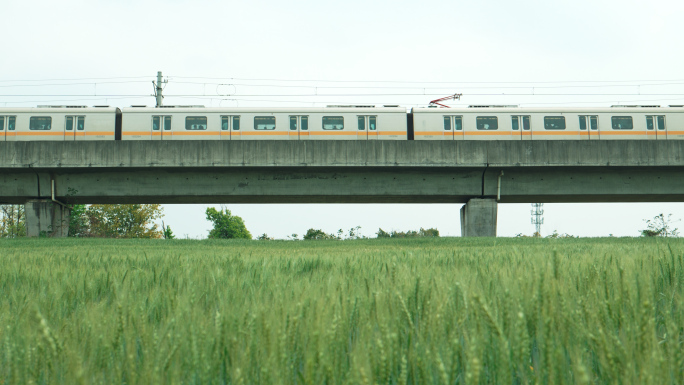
(422, 233)
(226, 225)
(166, 232)
(123, 221)
(317, 234)
(660, 226)
(12, 221)
(78, 221)
(382, 234)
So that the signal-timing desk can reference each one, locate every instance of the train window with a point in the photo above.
(157, 121)
(517, 120)
(661, 122)
(367, 121)
(488, 123)
(622, 122)
(554, 122)
(11, 122)
(333, 123)
(455, 122)
(80, 123)
(593, 122)
(264, 122)
(658, 119)
(195, 123)
(226, 122)
(40, 123)
(300, 122)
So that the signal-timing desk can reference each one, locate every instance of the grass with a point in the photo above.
(413, 311)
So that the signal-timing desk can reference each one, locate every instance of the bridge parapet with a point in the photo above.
(465, 154)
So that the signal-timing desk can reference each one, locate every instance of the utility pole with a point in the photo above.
(158, 88)
(537, 217)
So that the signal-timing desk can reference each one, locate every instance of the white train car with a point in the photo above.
(58, 123)
(199, 123)
(513, 123)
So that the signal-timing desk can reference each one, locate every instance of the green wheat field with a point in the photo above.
(412, 311)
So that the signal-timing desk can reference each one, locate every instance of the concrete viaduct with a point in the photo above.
(49, 176)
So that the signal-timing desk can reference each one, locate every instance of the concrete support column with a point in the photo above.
(478, 218)
(46, 218)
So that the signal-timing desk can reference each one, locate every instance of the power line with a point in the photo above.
(74, 79)
(72, 84)
(331, 95)
(430, 88)
(431, 82)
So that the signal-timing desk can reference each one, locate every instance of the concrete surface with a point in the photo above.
(342, 172)
(478, 218)
(45, 218)
(183, 154)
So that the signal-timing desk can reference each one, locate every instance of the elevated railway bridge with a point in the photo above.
(49, 176)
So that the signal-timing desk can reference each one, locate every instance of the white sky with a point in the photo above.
(215, 50)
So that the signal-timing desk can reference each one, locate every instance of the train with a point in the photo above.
(346, 122)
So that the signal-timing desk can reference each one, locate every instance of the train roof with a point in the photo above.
(228, 110)
(514, 110)
(57, 109)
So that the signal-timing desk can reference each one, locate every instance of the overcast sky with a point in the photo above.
(290, 53)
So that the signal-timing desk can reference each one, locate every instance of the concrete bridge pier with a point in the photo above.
(45, 218)
(478, 218)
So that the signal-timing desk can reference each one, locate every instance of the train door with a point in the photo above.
(161, 126)
(299, 127)
(367, 127)
(655, 125)
(520, 127)
(74, 128)
(230, 128)
(588, 125)
(453, 127)
(8, 125)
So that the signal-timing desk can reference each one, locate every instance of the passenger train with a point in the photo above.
(341, 123)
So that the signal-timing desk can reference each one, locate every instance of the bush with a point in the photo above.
(226, 225)
(317, 234)
(422, 233)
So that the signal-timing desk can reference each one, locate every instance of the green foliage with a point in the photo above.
(422, 233)
(12, 221)
(78, 221)
(394, 311)
(317, 234)
(167, 233)
(264, 237)
(115, 221)
(226, 225)
(660, 226)
(123, 221)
